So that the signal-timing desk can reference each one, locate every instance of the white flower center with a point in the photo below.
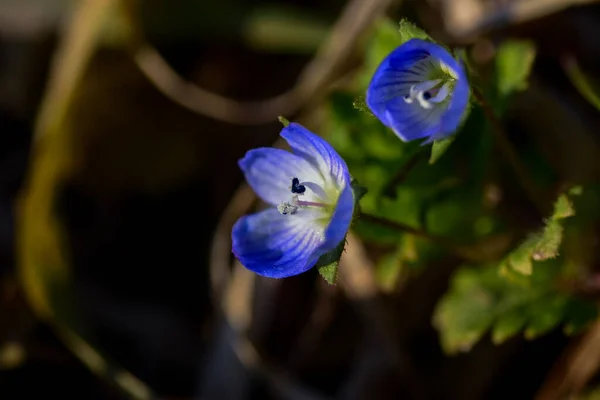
(428, 93)
(298, 189)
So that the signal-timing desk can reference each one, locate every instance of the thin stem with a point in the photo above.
(398, 226)
(510, 153)
(402, 174)
(488, 249)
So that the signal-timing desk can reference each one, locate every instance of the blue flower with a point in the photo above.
(311, 205)
(419, 91)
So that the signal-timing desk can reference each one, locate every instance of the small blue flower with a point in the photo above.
(311, 205)
(419, 91)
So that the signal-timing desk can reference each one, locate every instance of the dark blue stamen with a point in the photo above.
(297, 187)
(426, 95)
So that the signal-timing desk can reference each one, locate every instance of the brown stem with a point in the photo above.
(510, 153)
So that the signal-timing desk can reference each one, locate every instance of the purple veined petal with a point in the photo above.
(458, 103)
(340, 221)
(276, 245)
(309, 146)
(411, 122)
(269, 172)
(409, 65)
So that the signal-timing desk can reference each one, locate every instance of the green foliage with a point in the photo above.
(443, 194)
(329, 272)
(513, 63)
(393, 267)
(439, 147)
(408, 31)
(481, 300)
(283, 121)
(361, 105)
(544, 244)
(387, 35)
(516, 296)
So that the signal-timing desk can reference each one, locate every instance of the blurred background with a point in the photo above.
(121, 125)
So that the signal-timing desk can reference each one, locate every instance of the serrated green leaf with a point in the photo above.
(327, 264)
(329, 272)
(548, 244)
(408, 31)
(563, 208)
(439, 147)
(545, 244)
(508, 325)
(520, 259)
(358, 191)
(480, 298)
(465, 313)
(514, 60)
(360, 104)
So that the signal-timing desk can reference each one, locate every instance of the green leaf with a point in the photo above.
(439, 147)
(329, 272)
(520, 259)
(408, 31)
(542, 245)
(548, 244)
(283, 121)
(360, 104)
(388, 271)
(465, 313)
(513, 65)
(479, 298)
(576, 191)
(545, 314)
(563, 208)
(508, 325)
(327, 264)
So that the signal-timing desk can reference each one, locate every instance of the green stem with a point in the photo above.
(510, 154)
(488, 249)
(389, 189)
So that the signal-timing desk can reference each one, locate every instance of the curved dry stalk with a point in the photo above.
(574, 369)
(468, 18)
(314, 81)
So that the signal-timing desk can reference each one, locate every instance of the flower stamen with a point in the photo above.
(298, 189)
(428, 93)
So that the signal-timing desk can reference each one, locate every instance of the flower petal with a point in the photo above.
(270, 171)
(340, 221)
(458, 103)
(309, 146)
(408, 65)
(278, 246)
(411, 121)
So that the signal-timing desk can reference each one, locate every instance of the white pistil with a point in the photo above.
(419, 89)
